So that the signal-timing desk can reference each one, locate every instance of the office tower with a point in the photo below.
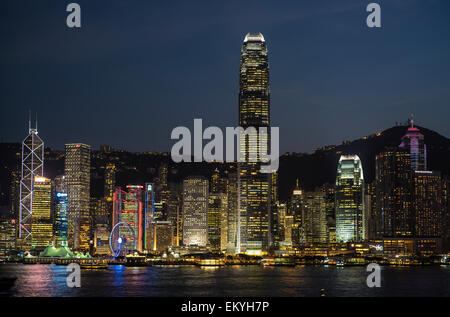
(149, 210)
(15, 193)
(218, 182)
(254, 111)
(60, 210)
(330, 206)
(175, 217)
(428, 204)
(413, 141)
(394, 193)
(61, 219)
(32, 165)
(101, 214)
(217, 217)
(297, 211)
(160, 235)
(349, 199)
(77, 172)
(41, 227)
(315, 222)
(370, 210)
(7, 235)
(110, 181)
(128, 208)
(233, 212)
(195, 211)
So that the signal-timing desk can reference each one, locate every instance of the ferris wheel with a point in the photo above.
(122, 239)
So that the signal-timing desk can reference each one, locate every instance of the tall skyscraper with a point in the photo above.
(41, 227)
(254, 111)
(428, 204)
(32, 165)
(413, 141)
(110, 181)
(77, 173)
(195, 211)
(217, 220)
(128, 208)
(60, 210)
(149, 211)
(394, 212)
(61, 219)
(349, 199)
(315, 222)
(233, 212)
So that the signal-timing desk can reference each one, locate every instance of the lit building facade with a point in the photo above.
(413, 141)
(254, 111)
(349, 199)
(394, 194)
(77, 172)
(160, 235)
(7, 235)
(41, 227)
(128, 208)
(110, 181)
(61, 219)
(315, 222)
(195, 211)
(428, 204)
(149, 211)
(217, 221)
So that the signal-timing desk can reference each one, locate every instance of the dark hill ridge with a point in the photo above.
(320, 167)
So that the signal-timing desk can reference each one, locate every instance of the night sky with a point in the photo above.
(137, 69)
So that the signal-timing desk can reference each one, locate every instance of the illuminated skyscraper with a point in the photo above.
(41, 227)
(296, 210)
(413, 141)
(428, 204)
(394, 212)
(217, 220)
(32, 165)
(349, 199)
(61, 219)
(149, 211)
(60, 210)
(254, 111)
(195, 211)
(315, 222)
(128, 208)
(110, 181)
(78, 173)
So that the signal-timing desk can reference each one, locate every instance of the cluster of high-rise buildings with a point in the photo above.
(236, 209)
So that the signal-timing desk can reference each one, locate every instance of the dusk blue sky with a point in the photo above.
(137, 69)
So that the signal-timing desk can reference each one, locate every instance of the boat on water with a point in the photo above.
(6, 283)
(135, 261)
(210, 262)
(270, 261)
(94, 265)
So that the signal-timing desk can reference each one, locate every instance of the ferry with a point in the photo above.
(270, 261)
(135, 261)
(210, 262)
(94, 265)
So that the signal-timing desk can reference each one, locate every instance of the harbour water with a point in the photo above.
(227, 281)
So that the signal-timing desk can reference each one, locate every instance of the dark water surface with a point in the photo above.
(228, 281)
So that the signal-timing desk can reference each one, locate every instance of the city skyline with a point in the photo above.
(358, 82)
